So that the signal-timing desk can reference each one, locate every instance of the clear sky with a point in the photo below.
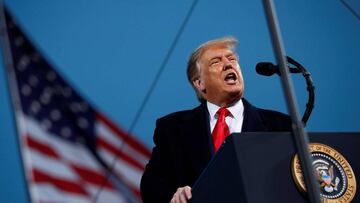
(112, 50)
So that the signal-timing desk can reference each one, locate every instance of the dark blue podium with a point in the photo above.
(256, 168)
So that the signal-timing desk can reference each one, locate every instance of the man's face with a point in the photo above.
(220, 80)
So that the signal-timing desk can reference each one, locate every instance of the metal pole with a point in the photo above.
(299, 135)
(11, 79)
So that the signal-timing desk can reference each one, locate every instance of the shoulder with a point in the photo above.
(272, 113)
(182, 115)
(172, 126)
(270, 119)
(263, 112)
(275, 120)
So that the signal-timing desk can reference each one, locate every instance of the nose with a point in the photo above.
(227, 64)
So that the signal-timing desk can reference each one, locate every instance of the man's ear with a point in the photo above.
(199, 84)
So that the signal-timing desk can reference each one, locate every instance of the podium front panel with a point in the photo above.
(256, 167)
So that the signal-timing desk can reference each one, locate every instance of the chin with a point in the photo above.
(234, 95)
(235, 90)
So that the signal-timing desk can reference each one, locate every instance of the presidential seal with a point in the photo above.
(334, 174)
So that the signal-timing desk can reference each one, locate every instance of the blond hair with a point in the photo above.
(193, 68)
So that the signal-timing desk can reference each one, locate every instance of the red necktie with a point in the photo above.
(221, 129)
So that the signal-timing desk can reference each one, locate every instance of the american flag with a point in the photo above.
(71, 152)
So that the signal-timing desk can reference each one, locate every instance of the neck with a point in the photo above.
(226, 103)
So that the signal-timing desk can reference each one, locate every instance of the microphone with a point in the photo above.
(268, 69)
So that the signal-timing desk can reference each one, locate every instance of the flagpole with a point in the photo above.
(11, 81)
(300, 136)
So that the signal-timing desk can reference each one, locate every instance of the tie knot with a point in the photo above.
(223, 112)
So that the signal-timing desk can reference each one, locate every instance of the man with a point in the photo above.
(185, 141)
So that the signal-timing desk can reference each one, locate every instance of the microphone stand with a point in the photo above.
(309, 87)
(300, 136)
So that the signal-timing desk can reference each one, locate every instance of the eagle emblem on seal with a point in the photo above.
(325, 175)
(337, 185)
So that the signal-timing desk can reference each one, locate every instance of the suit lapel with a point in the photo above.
(253, 121)
(195, 130)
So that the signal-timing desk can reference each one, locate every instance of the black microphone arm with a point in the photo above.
(268, 69)
(309, 87)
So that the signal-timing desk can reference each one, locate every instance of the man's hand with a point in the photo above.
(182, 195)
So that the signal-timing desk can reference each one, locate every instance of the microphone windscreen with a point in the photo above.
(265, 68)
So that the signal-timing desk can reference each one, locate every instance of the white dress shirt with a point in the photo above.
(234, 120)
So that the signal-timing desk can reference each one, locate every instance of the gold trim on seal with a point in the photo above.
(326, 151)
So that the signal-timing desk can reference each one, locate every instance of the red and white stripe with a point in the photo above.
(130, 155)
(61, 171)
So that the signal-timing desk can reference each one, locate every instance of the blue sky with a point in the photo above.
(112, 50)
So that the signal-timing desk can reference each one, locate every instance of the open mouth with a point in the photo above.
(230, 78)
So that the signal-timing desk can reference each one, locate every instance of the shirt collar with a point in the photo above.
(236, 110)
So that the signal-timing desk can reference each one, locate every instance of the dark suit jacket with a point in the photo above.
(183, 147)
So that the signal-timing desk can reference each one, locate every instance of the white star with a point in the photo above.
(82, 123)
(26, 90)
(55, 115)
(75, 107)
(23, 63)
(65, 132)
(35, 106)
(33, 80)
(45, 97)
(46, 124)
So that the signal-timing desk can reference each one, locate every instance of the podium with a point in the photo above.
(256, 168)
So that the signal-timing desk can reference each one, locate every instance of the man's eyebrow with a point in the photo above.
(215, 57)
(230, 54)
(226, 55)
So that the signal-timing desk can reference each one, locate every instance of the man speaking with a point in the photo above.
(185, 141)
